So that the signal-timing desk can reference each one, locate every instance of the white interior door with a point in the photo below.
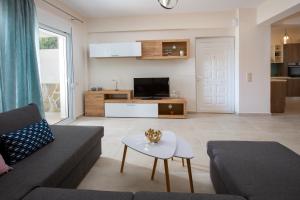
(215, 75)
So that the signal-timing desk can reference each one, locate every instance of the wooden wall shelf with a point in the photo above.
(165, 49)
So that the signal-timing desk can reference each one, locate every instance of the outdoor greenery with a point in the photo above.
(48, 43)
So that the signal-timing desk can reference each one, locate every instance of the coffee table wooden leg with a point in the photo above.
(190, 174)
(182, 161)
(123, 159)
(167, 175)
(153, 169)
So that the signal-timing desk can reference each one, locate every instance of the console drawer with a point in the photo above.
(131, 110)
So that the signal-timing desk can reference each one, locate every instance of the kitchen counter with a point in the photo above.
(284, 77)
(292, 84)
(279, 80)
(278, 94)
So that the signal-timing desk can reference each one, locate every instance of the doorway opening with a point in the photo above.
(285, 66)
(54, 74)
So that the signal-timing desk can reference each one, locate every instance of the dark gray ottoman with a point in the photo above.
(182, 196)
(255, 170)
(69, 194)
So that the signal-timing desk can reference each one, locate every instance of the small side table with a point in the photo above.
(170, 146)
(183, 151)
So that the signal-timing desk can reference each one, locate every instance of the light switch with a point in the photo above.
(249, 77)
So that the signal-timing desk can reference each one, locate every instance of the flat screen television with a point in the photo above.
(151, 87)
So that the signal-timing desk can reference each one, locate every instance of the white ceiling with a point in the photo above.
(113, 8)
(293, 20)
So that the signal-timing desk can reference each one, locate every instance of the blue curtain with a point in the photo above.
(19, 74)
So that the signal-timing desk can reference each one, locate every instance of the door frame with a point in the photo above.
(70, 72)
(234, 71)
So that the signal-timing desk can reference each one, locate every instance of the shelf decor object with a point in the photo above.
(153, 136)
(168, 4)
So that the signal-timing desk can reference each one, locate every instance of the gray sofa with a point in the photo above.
(49, 173)
(65, 194)
(62, 163)
(255, 170)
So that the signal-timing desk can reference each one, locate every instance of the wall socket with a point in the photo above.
(249, 77)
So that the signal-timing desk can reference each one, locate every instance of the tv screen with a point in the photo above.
(151, 87)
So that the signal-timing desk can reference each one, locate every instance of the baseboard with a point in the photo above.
(254, 114)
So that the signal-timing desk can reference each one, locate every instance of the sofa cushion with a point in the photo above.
(68, 194)
(276, 197)
(19, 118)
(182, 196)
(52, 164)
(256, 169)
(23, 142)
(4, 168)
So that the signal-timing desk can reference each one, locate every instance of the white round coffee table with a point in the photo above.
(168, 147)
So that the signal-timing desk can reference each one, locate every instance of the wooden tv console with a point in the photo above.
(119, 103)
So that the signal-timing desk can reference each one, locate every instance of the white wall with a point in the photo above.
(253, 57)
(203, 20)
(181, 72)
(271, 11)
(53, 18)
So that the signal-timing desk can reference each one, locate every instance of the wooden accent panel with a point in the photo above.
(291, 55)
(137, 100)
(293, 88)
(278, 95)
(151, 48)
(94, 104)
(292, 52)
(94, 100)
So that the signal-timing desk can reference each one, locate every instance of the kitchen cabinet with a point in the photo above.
(94, 104)
(293, 87)
(108, 50)
(278, 95)
(165, 49)
(291, 53)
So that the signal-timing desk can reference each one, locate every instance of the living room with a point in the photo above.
(186, 85)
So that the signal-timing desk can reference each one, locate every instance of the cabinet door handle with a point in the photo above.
(115, 55)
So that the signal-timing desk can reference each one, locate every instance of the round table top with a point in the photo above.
(169, 146)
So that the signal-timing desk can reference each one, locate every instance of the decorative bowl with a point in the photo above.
(153, 136)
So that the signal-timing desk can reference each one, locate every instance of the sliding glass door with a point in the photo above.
(55, 73)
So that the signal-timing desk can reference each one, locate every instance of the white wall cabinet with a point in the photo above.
(131, 110)
(108, 50)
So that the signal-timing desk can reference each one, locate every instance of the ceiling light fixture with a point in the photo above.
(168, 4)
(286, 37)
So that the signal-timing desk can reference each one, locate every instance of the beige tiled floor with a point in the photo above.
(197, 129)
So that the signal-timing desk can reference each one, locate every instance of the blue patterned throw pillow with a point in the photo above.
(23, 142)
